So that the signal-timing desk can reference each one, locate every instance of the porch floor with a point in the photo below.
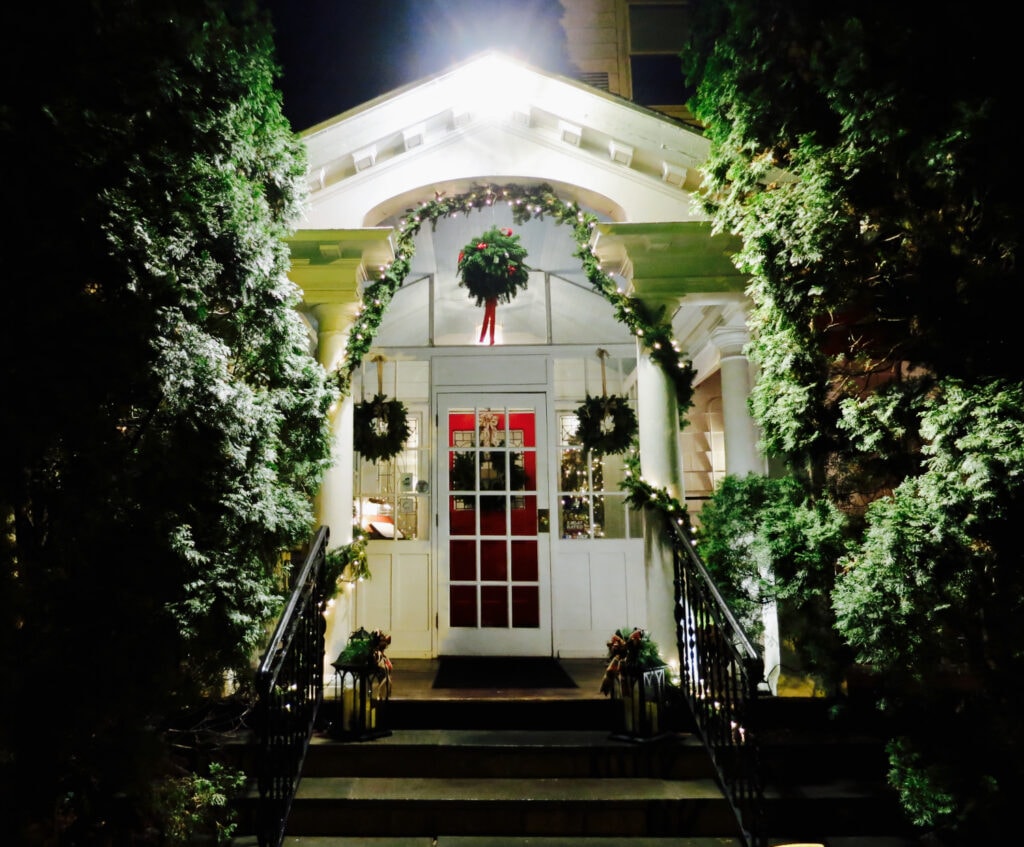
(413, 679)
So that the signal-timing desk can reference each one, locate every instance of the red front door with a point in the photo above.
(494, 565)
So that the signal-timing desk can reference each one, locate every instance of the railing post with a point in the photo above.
(720, 674)
(289, 690)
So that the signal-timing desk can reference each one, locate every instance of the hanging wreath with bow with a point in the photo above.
(607, 424)
(380, 426)
(491, 267)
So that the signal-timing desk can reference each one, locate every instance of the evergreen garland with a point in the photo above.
(592, 434)
(380, 428)
(492, 267)
(527, 202)
(349, 557)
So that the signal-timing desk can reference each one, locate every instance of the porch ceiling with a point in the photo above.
(669, 261)
(329, 265)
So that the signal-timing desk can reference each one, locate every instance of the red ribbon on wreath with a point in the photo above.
(492, 268)
(490, 312)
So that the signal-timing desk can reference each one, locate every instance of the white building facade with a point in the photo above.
(535, 551)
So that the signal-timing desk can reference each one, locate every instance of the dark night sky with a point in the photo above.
(337, 54)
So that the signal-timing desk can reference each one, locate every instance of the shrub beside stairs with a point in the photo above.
(524, 772)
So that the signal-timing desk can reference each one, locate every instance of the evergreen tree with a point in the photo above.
(864, 152)
(164, 424)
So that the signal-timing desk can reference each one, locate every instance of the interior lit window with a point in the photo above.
(591, 505)
(392, 498)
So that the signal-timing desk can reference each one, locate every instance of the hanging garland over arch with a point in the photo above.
(527, 202)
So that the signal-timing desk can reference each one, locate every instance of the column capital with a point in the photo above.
(730, 341)
(334, 317)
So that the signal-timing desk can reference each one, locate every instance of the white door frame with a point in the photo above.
(493, 640)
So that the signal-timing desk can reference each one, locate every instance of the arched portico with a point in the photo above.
(630, 172)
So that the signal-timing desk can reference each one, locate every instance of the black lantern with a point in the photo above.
(362, 683)
(640, 698)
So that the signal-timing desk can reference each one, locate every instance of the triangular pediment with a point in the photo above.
(493, 120)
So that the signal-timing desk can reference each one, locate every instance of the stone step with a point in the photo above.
(569, 841)
(512, 807)
(490, 713)
(821, 811)
(440, 753)
(796, 757)
(504, 841)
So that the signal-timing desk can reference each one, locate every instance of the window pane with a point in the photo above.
(658, 80)
(573, 475)
(635, 520)
(657, 28)
(574, 517)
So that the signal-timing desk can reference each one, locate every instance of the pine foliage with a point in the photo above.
(165, 426)
(865, 154)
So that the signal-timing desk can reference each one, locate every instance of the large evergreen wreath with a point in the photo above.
(492, 267)
(606, 425)
(380, 428)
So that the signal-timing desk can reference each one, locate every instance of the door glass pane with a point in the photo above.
(462, 604)
(525, 606)
(462, 515)
(524, 561)
(494, 606)
(461, 429)
(492, 471)
(524, 515)
(492, 514)
(462, 560)
(522, 432)
(493, 566)
(462, 471)
(491, 426)
(522, 471)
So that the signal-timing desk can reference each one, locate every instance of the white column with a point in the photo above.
(334, 502)
(742, 457)
(661, 466)
(741, 436)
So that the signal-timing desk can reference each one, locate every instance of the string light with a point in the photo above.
(526, 202)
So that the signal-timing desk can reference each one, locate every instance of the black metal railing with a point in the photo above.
(720, 674)
(289, 690)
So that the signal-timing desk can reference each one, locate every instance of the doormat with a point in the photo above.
(501, 672)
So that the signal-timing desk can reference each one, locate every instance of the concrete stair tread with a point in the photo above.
(557, 841)
(835, 789)
(561, 790)
(503, 841)
(512, 738)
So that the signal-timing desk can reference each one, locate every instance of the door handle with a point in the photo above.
(543, 520)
